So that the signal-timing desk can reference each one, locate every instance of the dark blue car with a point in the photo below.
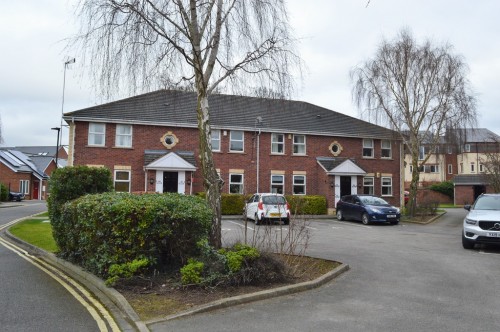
(367, 209)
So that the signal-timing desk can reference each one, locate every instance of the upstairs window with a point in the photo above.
(277, 143)
(368, 148)
(97, 134)
(299, 144)
(236, 140)
(123, 136)
(386, 149)
(215, 140)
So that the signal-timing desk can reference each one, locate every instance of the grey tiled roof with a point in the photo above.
(152, 155)
(20, 162)
(176, 108)
(470, 179)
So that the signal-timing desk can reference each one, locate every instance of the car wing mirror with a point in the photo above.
(467, 207)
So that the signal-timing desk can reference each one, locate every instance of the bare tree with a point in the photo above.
(231, 45)
(420, 91)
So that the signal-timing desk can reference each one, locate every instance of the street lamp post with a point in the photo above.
(66, 63)
(57, 147)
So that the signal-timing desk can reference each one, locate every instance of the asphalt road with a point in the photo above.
(30, 300)
(407, 277)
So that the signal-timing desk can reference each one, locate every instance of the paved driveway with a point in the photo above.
(403, 278)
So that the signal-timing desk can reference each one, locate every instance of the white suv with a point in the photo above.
(482, 223)
(267, 207)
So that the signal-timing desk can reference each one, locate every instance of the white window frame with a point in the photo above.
(277, 141)
(116, 180)
(123, 140)
(421, 152)
(298, 145)
(298, 184)
(215, 134)
(368, 185)
(481, 168)
(367, 147)
(24, 186)
(386, 184)
(473, 167)
(239, 141)
(450, 169)
(275, 184)
(467, 147)
(382, 149)
(233, 183)
(94, 134)
(449, 149)
(461, 168)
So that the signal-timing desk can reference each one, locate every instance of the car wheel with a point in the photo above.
(340, 216)
(256, 219)
(286, 221)
(365, 219)
(466, 243)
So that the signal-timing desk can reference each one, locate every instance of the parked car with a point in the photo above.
(267, 207)
(14, 196)
(482, 223)
(367, 209)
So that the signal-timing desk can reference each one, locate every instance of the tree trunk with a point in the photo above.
(415, 176)
(211, 179)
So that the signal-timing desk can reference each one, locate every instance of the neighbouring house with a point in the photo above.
(150, 143)
(462, 163)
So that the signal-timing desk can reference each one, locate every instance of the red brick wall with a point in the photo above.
(317, 182)
(7, 176)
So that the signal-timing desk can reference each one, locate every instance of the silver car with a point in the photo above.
(267, 207)
(482, 223)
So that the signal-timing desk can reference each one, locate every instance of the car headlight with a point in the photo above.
(376, 210)
(470, 221)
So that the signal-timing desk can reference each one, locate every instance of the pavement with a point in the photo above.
(127, 319)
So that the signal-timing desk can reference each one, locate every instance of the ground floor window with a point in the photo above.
(277, 184)
(24, 186)
(236, 183)
(386, 186)
(368, 185)
(122, 181)
(299, 184)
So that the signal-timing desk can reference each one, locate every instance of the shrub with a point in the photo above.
(68, 183)
(191, 272)
(311, 204)
(126, 270)
(4, 192)
(116, 228)
(241, 264)
(445, 187)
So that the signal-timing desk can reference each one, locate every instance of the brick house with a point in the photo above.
(150, 143)
(463, 164)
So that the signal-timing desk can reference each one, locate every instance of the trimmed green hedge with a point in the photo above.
(445, 187)
(309, 204)
(117, 228)
(4, 192)
(233, 204)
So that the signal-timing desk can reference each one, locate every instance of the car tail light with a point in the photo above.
(288, 205)
(261, 206)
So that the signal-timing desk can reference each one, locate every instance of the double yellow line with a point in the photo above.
(101, 315)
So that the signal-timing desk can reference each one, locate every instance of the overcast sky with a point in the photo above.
(335, 36)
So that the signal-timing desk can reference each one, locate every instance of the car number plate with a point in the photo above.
(493, 234)
(391, 216)
(274, 214)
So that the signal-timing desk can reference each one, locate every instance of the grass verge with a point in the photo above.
(36, 231)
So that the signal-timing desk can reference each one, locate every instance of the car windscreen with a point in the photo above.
(487, 203)
(371, 200)
(273, 200)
